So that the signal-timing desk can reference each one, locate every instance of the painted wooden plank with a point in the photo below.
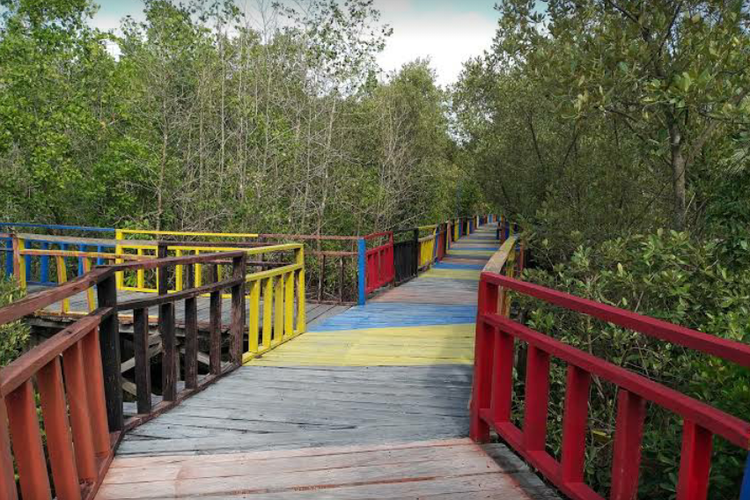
(456, 274)
(381, 315)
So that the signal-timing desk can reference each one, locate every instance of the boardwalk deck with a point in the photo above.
(370, 403)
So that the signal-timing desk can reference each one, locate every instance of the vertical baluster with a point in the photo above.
(299, 255)
(483, 352)
(536, 401)
(191, 343)
(44, 265)
(179, 273)
(278, 313)
(27, 442)
(7, 474)
(239, 267)
(62, 277)
(142, 360)
(119, 279)
(9, 257)
(91, 302)
(214, 341)
(57, 430)
(140, 273)
(191, 332)
(99, 260)
(289, 304)
(341, 285)
(501, 398)
(321, 277)
(575, 417)
(27, 263)
(167, 332)
(361, 273)
(695, 462)
(198, 272)
(267, 312)
(110, 352)
(168, 339)
(254, 323)
(78, 401)
(95, 392)
(416, 252)
(626, 457)
(81, 248)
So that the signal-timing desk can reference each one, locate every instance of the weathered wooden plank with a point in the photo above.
(406, 471)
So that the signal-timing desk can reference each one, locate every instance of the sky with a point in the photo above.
(447, 31)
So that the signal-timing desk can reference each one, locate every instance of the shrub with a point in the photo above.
(14, 337)
(668, 276)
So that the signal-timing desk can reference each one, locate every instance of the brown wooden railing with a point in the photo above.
(78, 380)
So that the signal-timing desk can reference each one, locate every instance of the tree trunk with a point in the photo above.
(679, 165)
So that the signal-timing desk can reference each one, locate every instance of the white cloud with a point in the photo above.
(448, 37)
(446, 32)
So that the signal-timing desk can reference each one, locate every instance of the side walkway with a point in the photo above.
(371, 403)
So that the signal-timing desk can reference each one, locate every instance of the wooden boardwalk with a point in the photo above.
(370, 403)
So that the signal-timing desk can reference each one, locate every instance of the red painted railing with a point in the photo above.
(493, 386)
(379, 261)
(70, 380)
(441, 242)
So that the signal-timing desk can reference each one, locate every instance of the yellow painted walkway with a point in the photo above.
(402, 329)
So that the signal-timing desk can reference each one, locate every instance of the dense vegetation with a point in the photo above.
(616, 131)
(204, 121)
(607, 127)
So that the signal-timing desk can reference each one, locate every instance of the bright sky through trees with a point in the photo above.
(448, 32)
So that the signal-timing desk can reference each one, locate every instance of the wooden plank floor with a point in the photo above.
(370, 403)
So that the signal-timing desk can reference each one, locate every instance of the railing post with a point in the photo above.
(695, 462)
(109, 342)
(483, 360)
(361, 271)
(536, 401)
(575, 415)
(392, 259)
(166, 330)
(301, 298)
(239, 266)
(626, 456)
(118, 251)
(7, 474)
(745, 489)
(415, 270)
(19, 271)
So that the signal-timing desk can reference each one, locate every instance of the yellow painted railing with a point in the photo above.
(125, 244)
(427, 246)
(276, 304)
(61, 270)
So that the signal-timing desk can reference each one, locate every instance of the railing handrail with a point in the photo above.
(36, 301)
(60, 227)
(187, 233)
(500, 258)
(728, 350)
